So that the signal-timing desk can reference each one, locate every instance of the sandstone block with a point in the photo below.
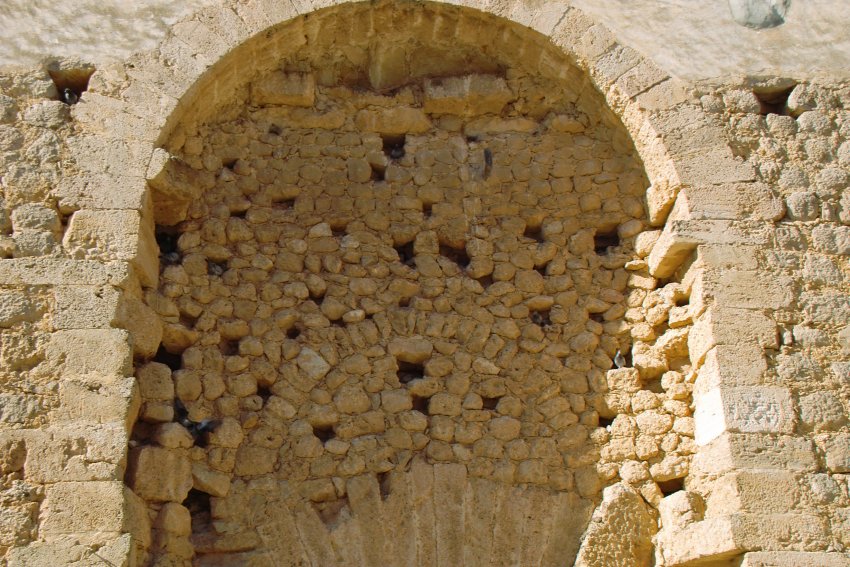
(86, 507)
(352, 399)
(212, 482)
(158, 474)
(822, 411)
(681, 509)
(16, 306)
(505, 428)
(174, 518)
(467, 95)
(837, 449)
(732, 451)
(294, 89)
(443, 403)
(393, 121)
(101, 352)
(619, 532)
(831, 239)
(85, 307)
(721, 326)
(114, 235)
(795, 559)
(743, 409)
(155, 382)
(414, 350)
(173, 436)
(395, 401)
(769, 492)
(312, 364)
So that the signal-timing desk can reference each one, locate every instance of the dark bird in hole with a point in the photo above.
(540, 318)
(396, 152)
(69, 96)
(214, 268)
(198, 429)
(619, 360)
(170, 258)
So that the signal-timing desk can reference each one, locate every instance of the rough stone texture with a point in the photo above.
(619, 532)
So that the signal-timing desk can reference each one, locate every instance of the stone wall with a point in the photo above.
(360, 296)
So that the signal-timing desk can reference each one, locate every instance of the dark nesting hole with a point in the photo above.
(187, 320)
(420, 404)
(264, 392)
(773, 101)
(427, 209)
(275, 130)
(171, 360)
(229, 348)
(229, 163)
(379, 172)
(541, 269)
(681, 301)
(337, 323)
(534, 232)
(485, 281)
(490, 403)
(64, 219)
(405, 253)
(541, 317)
(384, 484)
(596, 317)
(339, 229)
(471, 139)
(166, 239)
(239, 214)
(603, 240)
(488, 162)
(404, 302)
(215, 268)
(71, 83)
(283, 204)
(293, 333)
(605, 421)
(668, 487)
(324, 432)
(393, 145)
(456, 255)
(198, 504)
(409, 371)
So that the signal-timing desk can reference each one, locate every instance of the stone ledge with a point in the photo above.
(52, 271)
(713, 540)
(733, 451)
(795, 559)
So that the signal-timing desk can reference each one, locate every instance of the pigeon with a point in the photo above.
(69, 97)
(214, 268)
(397, 152)
(171, 258)
(619, 360)
(198, 429)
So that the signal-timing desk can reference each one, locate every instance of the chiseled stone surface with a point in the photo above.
(454, 297)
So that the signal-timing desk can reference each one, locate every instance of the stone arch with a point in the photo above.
(200, 61)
